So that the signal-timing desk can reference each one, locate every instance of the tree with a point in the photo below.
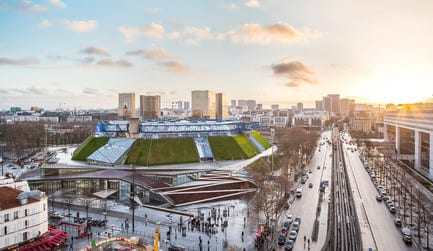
(86, 202)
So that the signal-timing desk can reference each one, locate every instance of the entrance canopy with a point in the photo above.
(105, 193)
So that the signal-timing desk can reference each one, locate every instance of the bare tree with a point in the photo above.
(86, 202)
(69, 201)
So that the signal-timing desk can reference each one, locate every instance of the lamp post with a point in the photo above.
(1, 149)
(272, 151)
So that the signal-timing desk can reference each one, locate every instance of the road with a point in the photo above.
(377, 223)
(305, 207)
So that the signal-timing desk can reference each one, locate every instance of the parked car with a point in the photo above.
(289, 245)
(281, 240)
(289, 218)
(292, 235)
(286, 224)
(406, 235)
(379, 197)
(56, 215)
(295, 226)
(310, 185)
(397, 221)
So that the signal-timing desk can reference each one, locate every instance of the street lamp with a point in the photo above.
(272, 150)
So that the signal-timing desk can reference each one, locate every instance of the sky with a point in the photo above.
(81, 53)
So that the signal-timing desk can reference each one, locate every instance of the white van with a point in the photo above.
(298, 192)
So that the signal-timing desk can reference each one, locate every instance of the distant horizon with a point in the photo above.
(283, 105)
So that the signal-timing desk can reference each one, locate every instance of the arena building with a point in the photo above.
(104, 170)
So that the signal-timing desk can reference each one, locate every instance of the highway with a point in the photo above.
(377, 223)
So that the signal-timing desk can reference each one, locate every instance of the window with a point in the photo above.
(26, 223)
(6, 217)
(25, 236)
(26, 212)
(44, 206)
(5, 230)
(15, 215)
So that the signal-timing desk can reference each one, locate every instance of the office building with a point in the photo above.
(300, 107)
(411, 128)
(186, 106)
(203, 104)
(126, 106)
(150, 107)
(275, 107)
(344, 106)
(222, 106)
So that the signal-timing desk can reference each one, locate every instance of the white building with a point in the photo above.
(411, 128)
(23, 214)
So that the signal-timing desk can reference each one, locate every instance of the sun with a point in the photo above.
(398, 87)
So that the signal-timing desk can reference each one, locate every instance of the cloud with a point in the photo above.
(91, 91)
(24, 61)
(33, 90)
(36, 90)
(231, 6)
(153, 31)
(57, 3)
(87, 60)
(155, 54)
(194, 35)
(80, 26)
(247, 34)
(252, 3)
(96, 50)
(264, 34)
(293, 84)
(25, 6)
(110, 63)
(45, 23)
(296, 72)
(4, 91)
(175, 66)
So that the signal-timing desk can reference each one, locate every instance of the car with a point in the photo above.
(284, 232)
(295, 226)
(289, 245)
(318, 167)
(392, 209)
(298, 192)
(310, 171)
(289, 218)
(286, 205)
(292, 235)
(281, 240)
(298, 220)
(310, 185)
(56, 215)
(407, 239)
(397, 221)
(379, 197)
(406, 235)
(176, 248)
(286, 224)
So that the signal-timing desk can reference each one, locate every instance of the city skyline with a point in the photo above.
(77, 54)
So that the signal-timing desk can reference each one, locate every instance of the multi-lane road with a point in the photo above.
(376, 223)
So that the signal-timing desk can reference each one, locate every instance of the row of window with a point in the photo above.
(15, 215)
